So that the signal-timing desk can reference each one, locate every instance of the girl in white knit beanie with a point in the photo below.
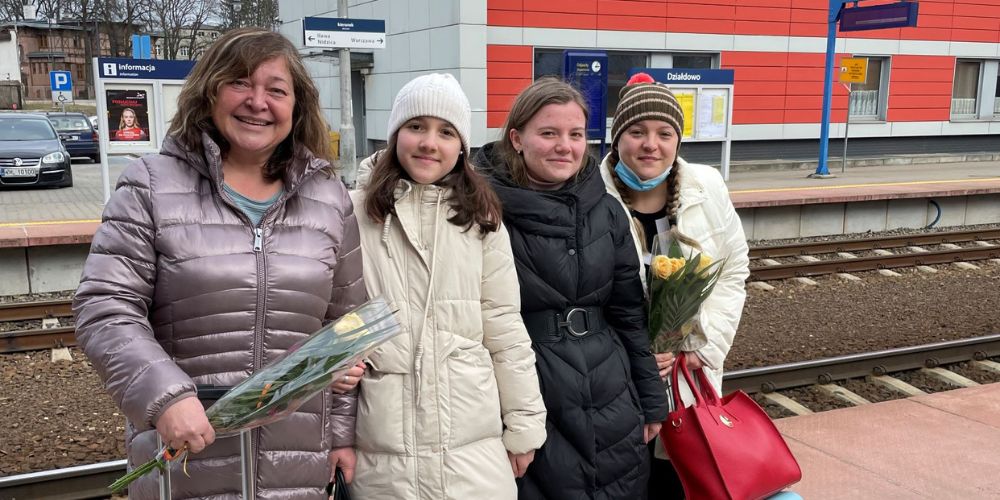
(451, 409)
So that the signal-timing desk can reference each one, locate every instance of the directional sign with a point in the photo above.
(876, 17)
(343, 33)
(854, 69)
(588, 72)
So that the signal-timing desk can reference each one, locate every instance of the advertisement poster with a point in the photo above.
(128, 115)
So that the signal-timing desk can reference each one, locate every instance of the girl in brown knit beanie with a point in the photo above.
(663, 193)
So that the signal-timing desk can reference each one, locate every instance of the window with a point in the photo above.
(976, 90)
(184, 51)
(868, 100)
(965, 92)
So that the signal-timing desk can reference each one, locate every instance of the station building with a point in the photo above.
(930, 88)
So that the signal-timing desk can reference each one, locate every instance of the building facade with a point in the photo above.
(39, 47)
(939, 78)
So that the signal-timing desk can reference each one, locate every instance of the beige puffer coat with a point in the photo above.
(442, 403)
(180, 290)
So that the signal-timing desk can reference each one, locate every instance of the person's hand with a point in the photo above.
(664, 363)
(185, 424)
(693, 361)
(519, 462)
(345, 381)
(345, 459)
(649, 431)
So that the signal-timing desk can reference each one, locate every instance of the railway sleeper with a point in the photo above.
(894, 384)
(787, 403)
(949, 377)
(842, 393)
(987, 365)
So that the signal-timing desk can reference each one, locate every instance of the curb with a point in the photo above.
(834, 163)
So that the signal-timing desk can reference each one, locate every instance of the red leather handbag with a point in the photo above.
(725, 448)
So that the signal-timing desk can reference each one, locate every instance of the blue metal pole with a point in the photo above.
(831, 44)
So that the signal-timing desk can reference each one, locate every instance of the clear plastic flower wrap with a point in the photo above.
(302, 372)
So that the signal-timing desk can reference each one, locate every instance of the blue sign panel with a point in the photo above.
(588, 72)
(343, 24)
(683, 76)
(61, 81)
(894, 15)
(151, 69)
(142, 47)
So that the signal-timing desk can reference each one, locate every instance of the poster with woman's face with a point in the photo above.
(128, 115)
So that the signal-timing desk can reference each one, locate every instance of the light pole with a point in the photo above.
(237, 9)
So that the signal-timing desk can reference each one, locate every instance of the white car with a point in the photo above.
(93, 121)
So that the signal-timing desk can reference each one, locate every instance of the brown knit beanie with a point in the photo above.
(644, 99)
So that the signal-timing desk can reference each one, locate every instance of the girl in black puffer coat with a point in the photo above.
(581, 299)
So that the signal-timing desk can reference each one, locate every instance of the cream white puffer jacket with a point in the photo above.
(706, 214)
(442, 403)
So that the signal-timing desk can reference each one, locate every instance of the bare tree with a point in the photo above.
(11, 10)
(177, 22)
(246, 13)
(119, 20)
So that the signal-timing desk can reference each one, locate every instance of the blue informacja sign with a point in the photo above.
(588, 72)
(144, 69)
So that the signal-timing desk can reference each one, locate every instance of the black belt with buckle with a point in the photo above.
(577, 322)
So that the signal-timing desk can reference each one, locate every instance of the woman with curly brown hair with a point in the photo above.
(213, 258)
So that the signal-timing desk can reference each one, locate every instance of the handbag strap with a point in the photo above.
(706, 394)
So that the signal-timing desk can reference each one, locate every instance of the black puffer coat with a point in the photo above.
(572, 248)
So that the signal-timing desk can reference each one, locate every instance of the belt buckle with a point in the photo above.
(568, 324)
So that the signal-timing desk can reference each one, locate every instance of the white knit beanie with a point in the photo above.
(438, 95)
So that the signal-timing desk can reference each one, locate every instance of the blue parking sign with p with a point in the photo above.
(61, 81)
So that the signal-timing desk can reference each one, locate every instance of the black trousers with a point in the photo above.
(663, 481)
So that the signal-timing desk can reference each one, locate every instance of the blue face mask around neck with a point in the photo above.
(634, 182)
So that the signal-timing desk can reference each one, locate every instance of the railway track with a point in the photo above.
(34, 340)
(22, 311)
(876, 367)
(910, 252)
(91, 481)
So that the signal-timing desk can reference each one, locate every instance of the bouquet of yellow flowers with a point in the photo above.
(678, 284)
(302, 372)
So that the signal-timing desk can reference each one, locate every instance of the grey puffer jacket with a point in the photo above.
(180, 290)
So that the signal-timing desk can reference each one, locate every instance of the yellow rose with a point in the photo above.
(703, 262)
(350, 322)
(664, 266)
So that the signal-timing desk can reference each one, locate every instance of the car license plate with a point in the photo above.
(74, 138)
(19, 172)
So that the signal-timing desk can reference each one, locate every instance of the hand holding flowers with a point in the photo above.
(678, 285)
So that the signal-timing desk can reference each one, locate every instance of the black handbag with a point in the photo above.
(337, 489)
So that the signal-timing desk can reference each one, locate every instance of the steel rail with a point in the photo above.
(803, 269)
(827, 370)
(70, 483)
(860, 244)
(35, 340)
(20, 311)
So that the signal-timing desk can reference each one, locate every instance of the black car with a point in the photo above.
(77, 134)
(31, 153)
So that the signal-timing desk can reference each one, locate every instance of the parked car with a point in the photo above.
(77, 134)
(93, 121)
(31, 153)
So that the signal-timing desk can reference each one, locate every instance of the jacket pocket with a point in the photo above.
(384, 409)
(473, 403)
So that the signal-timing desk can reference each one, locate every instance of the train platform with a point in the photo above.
(789, 204)
(939, 446)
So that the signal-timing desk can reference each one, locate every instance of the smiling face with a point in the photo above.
(254, 113)
(648, 147)
(553, 142)
(427, 148)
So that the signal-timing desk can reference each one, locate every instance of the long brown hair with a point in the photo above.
(237, 54)
(544, 91)
(472, 198)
